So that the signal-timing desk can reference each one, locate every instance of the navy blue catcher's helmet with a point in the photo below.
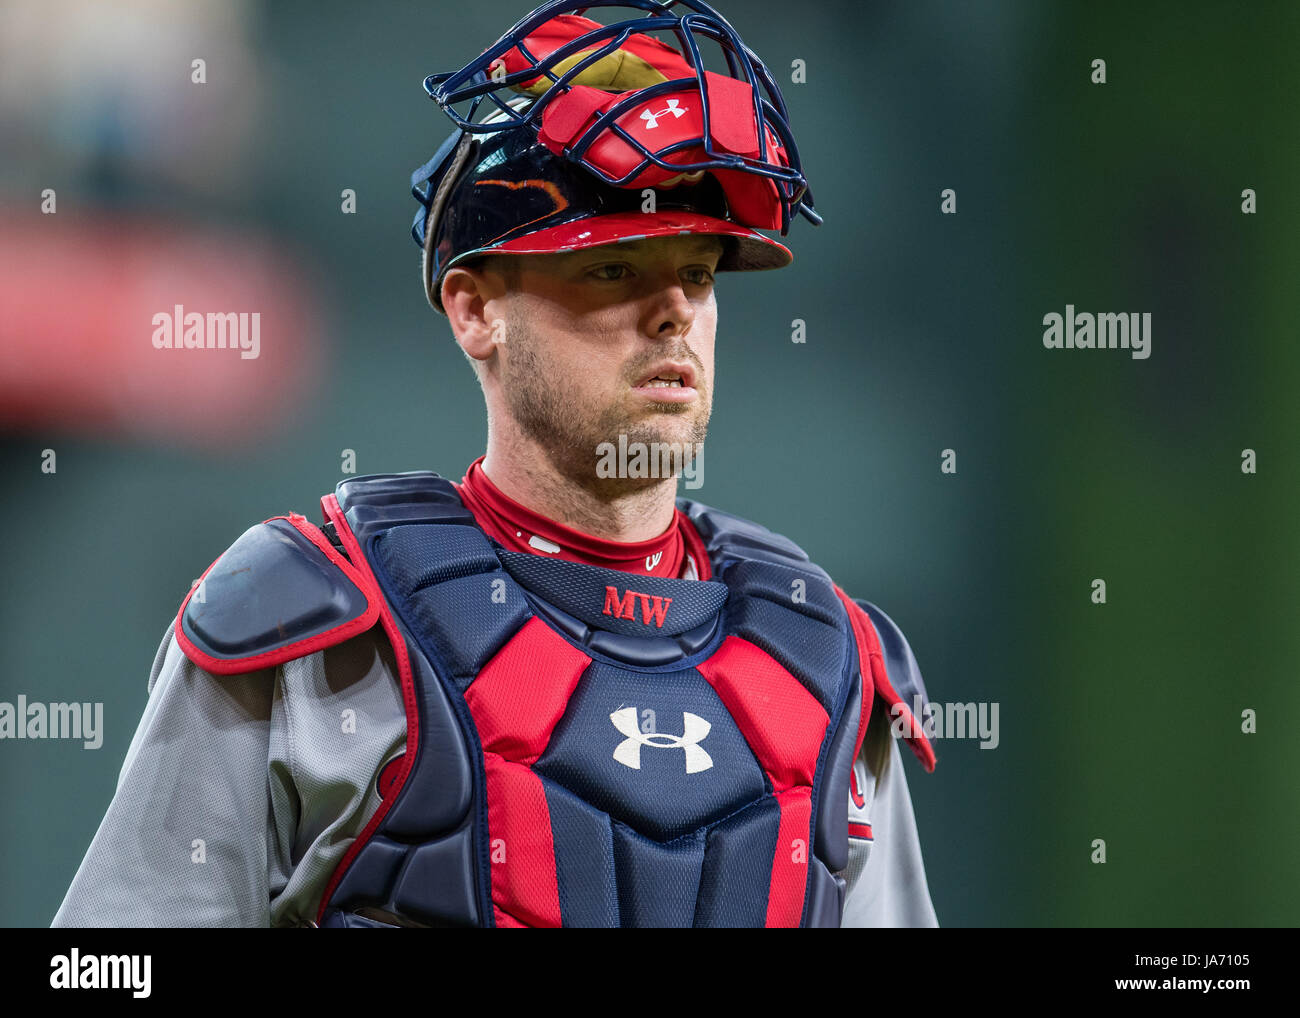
(593, 118)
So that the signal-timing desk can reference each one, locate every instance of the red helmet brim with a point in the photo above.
(751, 250)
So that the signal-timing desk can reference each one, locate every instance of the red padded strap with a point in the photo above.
(525, 883)
(519, 696)
(731, 114)
(567, 115)
(755, 688)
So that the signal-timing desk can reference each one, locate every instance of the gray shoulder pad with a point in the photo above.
(279, 592)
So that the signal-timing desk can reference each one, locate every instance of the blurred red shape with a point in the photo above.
(78, 298)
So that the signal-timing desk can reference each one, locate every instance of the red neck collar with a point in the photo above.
(676, 553)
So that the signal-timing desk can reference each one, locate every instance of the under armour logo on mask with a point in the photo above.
(694, 729)
(652, 119)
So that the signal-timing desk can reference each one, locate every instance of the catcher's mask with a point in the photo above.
(606, 133)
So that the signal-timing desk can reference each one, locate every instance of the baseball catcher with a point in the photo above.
(553, 693)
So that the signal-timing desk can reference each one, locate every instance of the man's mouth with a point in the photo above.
(672, 382)
(667, 374)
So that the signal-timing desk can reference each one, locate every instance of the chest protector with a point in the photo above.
(588, 747)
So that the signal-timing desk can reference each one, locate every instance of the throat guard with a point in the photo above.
(588, 747)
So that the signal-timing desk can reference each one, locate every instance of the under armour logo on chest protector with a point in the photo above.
(694, 729)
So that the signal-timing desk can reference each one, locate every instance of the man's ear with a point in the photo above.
(474, 299)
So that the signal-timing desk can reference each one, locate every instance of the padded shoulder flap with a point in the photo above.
(899, 681)
(279, 592)
(900, 663)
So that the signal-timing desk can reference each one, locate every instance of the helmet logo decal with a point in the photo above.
(558, 202)
(553, 192)
(652, 119)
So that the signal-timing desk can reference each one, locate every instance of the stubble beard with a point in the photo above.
(571, 435)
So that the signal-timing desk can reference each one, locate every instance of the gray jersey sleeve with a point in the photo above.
(240, 793)
(885, 875)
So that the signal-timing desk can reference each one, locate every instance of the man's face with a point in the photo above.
(606, 342)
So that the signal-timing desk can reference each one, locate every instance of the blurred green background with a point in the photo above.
(924, 332)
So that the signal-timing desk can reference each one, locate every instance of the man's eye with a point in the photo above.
(601, 272)
(700, 277)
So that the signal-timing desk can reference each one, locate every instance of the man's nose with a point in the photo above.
(669, 311)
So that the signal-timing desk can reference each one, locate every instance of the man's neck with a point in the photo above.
(524, 472)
